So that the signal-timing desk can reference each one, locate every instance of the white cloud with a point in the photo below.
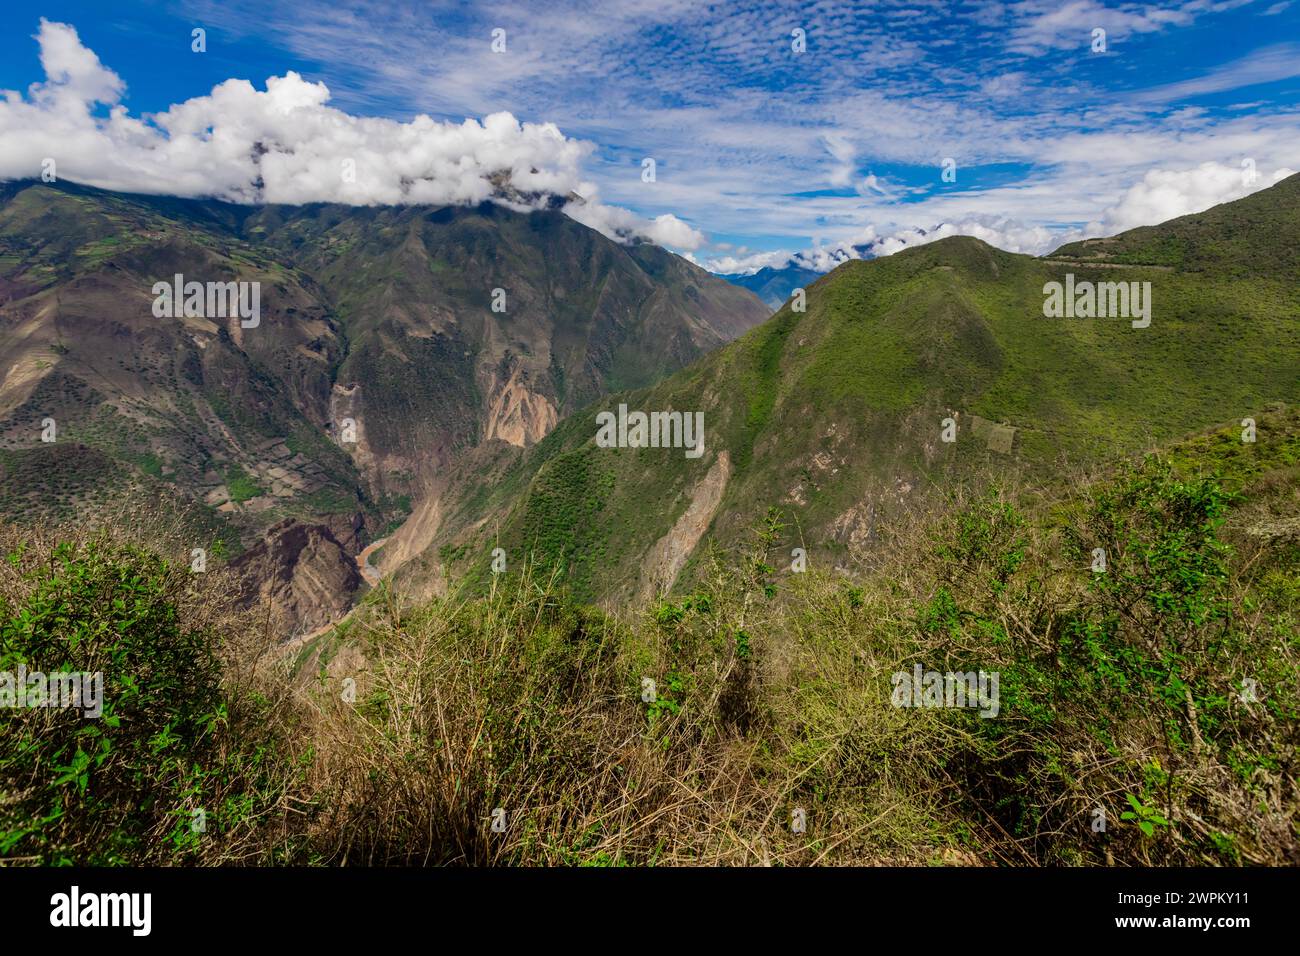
(72, 70)
(1045, 25)
(871, 243)
(1161, 195)
(668, 230)
(1008, 234)
(285, 144)
(621, 225)
(1165, 194)
(1004, 85)
(843, 153)
(747, 264)
(871, 183)
(747, 134)
(1273, 63)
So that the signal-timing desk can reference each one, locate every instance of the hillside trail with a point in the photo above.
(1090, 264)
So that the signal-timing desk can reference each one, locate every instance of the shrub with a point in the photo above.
(180, 767)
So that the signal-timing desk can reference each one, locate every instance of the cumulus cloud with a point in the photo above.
(1165, 194)
(72, 71)
(622, 225)
(285, 144)
(1161, 195)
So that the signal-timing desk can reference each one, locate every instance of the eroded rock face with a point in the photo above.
(669, 554)
(349, 530)
(302, 574)
(518, 415)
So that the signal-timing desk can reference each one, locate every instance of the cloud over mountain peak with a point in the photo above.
(286, 144)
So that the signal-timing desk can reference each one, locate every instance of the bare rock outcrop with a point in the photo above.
(670, 553)
(302, 574)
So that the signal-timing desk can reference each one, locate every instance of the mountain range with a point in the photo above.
(392, 342)
(774, 285)
(434, 377)
(905, 377)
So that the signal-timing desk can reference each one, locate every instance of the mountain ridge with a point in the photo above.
(377, 325)
(836, 416)
(773, 285)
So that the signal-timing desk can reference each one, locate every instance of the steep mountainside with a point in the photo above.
(440, 360)
(774, 286)
(391, 342)
(1255, 236)
(837, 415)
(236, 418)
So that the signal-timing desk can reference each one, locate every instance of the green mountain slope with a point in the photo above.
(377, 321)
(836, 415)
(1225, 239)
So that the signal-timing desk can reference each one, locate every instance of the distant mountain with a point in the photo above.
(580, 316)
(774, 286)
(837, 415)
(235, 419)
(391, 342)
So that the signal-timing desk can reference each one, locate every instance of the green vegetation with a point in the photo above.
(1160, 692)
(150, 464)
(1135, 591)
(182, 766)
(1255, 236)
(241, 486)
(835, 413)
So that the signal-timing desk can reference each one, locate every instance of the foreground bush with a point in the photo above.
(584, 740)
(1143, 632)
(1148, 712)
(180, 765)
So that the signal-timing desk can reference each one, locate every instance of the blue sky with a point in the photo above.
(761, 150)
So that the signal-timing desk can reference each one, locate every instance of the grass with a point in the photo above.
(696, 730)
(241, 485)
